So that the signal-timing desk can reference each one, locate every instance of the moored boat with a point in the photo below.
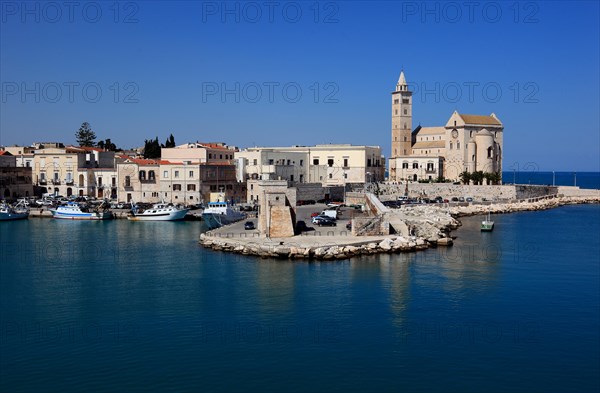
(487, 225)
(218, 214)
(76, 211)
(17, 212)
(158, 212)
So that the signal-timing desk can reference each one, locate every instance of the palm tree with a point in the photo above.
(465, 177)
(477, 177)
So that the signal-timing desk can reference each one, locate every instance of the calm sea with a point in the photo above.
(530, 175)
(122, 306)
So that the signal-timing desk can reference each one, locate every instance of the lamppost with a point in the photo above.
(575, 179)
(514, 176)
(344, 174)
(553, 179)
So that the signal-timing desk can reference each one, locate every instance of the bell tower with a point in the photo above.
(401, 119)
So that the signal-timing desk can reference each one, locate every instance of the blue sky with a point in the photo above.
(303, 72)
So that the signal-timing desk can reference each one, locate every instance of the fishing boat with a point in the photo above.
(487, 225)
(218, 214)
(158, 212)
(17, 212)
(76, 211)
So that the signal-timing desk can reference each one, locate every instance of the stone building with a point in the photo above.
(465, 143)
(332, 164)
(14, 181)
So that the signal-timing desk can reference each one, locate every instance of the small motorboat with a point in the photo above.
(76, 211)
(487, 225)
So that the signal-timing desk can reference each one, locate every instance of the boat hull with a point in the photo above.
(213, 220)
(487, 226)
(169, 216)
(13, 216)
(81, 216)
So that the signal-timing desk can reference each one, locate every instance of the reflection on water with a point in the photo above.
(103, 305)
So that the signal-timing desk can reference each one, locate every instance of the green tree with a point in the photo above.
(85, 136)
(465, 177)
(495, 177)
(477, 177)
(170, 142)
(107, 145)
(151, 148)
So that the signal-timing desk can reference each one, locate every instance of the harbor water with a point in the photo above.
(140, 306)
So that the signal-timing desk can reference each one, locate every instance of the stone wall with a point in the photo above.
(572, 191)
(316, 191)
(282, 221)
(534, 191)
(448, 191)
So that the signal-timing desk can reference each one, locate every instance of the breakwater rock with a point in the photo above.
(320, 248)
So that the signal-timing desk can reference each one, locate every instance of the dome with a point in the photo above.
(484, 132)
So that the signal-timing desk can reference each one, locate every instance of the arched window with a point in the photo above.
(458, 145)
(142, 175)
(127, 181)
(450, 145)
(151, 175)
(490, 150)
(404, 139)
(415, 165)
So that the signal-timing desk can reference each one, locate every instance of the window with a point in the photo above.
(301, 162)
(176, 174)
(99, 182)
(270, 161)
(405, 126)
(415, 165)
(251, 186)
(142, 175)
(114, 181)
(151, 175)
(405, 101)
(166, 174)
(345, 162)
(255, 161)
(230, 187)
(450, 145)
(396, 112)
(458, 145)
(489, 150)
(176, 187)
(209, 155)
(405, 165)
(288, 162)
(127, 181)
(396, 101)
(191, 187)
(291, 177)
(213, 187)
(315, 161)
(331, 175)
(301, 178)
(404, 139)
(368, 162)
(330, 162)
(221, 156)
(405, 111)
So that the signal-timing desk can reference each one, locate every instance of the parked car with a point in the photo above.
(438, 199)
(454, 199)
(249, 225)
(469, 199)
(323, 221)
(302, 227)
(314, 214)
(461, 199)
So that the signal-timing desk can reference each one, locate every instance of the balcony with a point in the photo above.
(56, 182)
(431, 171)
(127, 186)
(69, 182)
(148, 181)
(43, 182)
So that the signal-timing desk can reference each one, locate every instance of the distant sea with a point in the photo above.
(581, 179)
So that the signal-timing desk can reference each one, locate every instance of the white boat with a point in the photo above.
(218, 214)
(75, 211)
(158, 212)
(487, 225)
(17, 212)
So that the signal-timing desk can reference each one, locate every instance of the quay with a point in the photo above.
(415, 228)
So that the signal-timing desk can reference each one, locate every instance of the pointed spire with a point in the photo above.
(402, 79)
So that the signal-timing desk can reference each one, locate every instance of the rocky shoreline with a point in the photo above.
(429, 225)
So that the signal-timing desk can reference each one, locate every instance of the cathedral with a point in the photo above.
(466, 143)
